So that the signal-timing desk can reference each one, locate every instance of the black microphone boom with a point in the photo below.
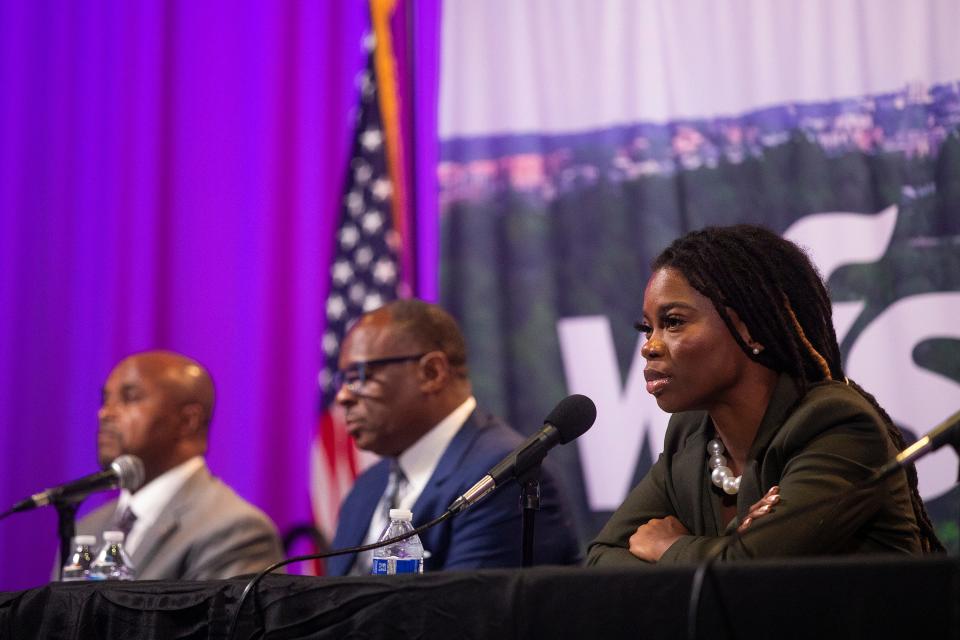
(947, 432)
(569, 420)
(126, 472)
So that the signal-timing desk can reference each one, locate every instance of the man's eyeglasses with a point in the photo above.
(356, 375)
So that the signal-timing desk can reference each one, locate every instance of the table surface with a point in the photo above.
(809, 598)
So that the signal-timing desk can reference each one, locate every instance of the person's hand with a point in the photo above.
(654, 537)
(760, 508)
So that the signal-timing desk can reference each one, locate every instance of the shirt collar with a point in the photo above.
(149, 502)
(419, 460)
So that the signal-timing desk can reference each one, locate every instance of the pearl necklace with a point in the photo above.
(720, 473)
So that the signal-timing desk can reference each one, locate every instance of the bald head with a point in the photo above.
(156, 405)
(184, 378)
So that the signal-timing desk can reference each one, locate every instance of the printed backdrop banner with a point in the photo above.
(579, 138)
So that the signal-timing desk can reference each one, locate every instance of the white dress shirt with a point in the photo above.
(150, 501)
(418, 463)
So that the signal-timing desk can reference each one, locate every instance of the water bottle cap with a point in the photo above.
(87, 541)
(113, 536)
(401, 514)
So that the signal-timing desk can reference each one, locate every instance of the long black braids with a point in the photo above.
(777, 292)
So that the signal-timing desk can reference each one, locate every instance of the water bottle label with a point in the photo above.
(407, 565)
(391, 566)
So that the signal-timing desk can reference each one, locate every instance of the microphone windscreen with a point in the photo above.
(572, 417)
(129, 470)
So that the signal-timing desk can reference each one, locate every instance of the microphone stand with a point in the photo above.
(66, 528)
(529, 459)
(530, 503)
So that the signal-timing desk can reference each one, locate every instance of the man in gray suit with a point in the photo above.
(183, 523)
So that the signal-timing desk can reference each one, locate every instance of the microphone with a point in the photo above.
(569, 420)
(944, 433)
(125, 472)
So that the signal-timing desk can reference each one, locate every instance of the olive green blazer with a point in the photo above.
(816, 448)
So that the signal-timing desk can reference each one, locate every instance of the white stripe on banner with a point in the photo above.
(559, 66)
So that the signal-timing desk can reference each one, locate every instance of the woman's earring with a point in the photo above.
(756, 351)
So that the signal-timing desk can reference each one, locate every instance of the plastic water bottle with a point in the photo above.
(77, 567)
(112, 562)
(405, 556)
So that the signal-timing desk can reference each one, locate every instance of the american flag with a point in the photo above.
(364, 274)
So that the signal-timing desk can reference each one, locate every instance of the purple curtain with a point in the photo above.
(169, 178)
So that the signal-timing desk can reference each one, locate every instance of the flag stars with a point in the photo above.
(342, 272)
(335, 307)
(371, 139)
(357, 293)
(385, 271)
(372, 302)
(354, 201)
(362, 173)
(372, 221)
(349, 236)
(381, 189)
(363, 257)
(325, 379)
(330, 343)
(364, 81)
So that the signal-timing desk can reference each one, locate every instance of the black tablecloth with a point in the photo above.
(846, 598)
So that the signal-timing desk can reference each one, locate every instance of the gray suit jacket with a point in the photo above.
(206, 532)
(816, 448)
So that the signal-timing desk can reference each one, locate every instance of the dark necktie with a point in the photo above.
(124, 521)
(391, 496)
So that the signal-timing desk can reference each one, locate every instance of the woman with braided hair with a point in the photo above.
(770, 445)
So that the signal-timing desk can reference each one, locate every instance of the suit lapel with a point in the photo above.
(169, 519)
(356, 514)
(687, 469)
(153, 539)
(449, 462)
(357, 520)
(784, 397)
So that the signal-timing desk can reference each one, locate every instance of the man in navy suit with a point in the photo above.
(407, 397)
